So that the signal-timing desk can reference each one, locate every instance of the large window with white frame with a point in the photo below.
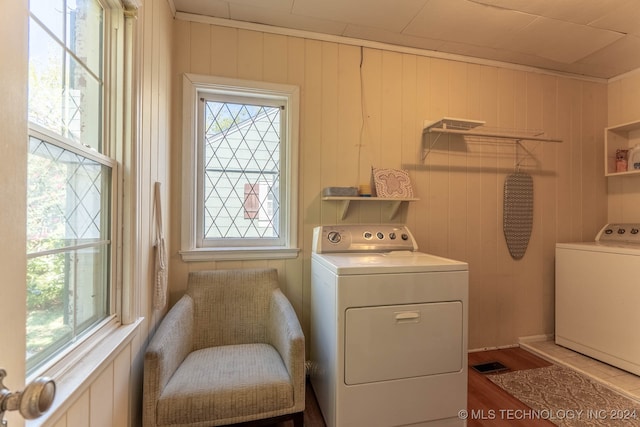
(239, 169)
(71, 177)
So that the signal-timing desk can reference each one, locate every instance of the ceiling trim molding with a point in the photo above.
(625, 75)
(172, 6)
(378, 45)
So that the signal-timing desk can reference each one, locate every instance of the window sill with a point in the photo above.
(239, 254)
(75, 373)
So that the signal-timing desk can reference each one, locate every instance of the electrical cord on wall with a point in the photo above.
(362, 117)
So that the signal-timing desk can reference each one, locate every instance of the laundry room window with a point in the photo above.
(240, 139)
(71, 176)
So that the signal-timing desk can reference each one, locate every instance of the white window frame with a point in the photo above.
(97, 346)
(193, 86)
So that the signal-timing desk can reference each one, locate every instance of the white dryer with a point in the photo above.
(597, 296)
(388, 329)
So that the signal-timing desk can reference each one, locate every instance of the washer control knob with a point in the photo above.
(634, 231)
(405, 236)
(379, 235)
(334, 237)
(368, 235)
(392, 235)
(608, 231)
(621, 231)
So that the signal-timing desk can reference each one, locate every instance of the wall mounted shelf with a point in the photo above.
(345, 202)
(620, 137)
(466, 127)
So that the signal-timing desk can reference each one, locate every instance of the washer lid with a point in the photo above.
(387, 263)
(623, 248)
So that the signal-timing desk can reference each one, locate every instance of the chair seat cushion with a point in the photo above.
(226, 382)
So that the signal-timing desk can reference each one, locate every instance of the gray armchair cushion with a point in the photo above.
(226, 383)
(230, 350)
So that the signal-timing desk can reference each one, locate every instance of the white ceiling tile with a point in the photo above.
(624, 18)
(384, 14)
(616, 56)
(242, 12)
(278, 5)
(216, 8)
(576, 11)
(466, 22)
(390, 37)
(561, 41)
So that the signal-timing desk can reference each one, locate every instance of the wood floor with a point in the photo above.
(488, 404)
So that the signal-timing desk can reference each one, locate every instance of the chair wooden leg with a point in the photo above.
(298, 419)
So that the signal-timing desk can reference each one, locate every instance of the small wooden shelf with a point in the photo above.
(620, 137)
(346, 202)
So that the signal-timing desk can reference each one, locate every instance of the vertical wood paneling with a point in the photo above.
(329, 174)
(459, 184)
(250, 55)
(199, 48)
(419, 210)
(224, 52)
(101, 407)
(78, 413)
(391, 111)
(349, 118)
(369, 151)
(411, 126)
(295, 270)
(121, 384)
(438, 177)
(458, 202)
(275, 58)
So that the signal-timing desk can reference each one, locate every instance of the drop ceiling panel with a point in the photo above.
(616, 59)
(624, 18)
(390, 37)
(384, 14)
(560, 41)
(576, 11)
(467, 22)
(216, 8)
(242, 12)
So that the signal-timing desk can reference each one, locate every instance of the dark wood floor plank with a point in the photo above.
(488, 404)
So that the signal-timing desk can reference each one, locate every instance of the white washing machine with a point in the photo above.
(598, 295)
(388, 329)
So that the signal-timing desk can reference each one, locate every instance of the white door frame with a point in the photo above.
(13, 194)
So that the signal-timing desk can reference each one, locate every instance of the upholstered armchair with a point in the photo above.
(230, 350)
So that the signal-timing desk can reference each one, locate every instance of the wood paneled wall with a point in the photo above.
(364, 107)
(624, 107)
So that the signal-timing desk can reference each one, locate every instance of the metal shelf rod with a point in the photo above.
(491, 135)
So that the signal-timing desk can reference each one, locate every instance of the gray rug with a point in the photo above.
(566, 398)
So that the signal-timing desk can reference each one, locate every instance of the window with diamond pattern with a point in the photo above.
(239, 169)
(241, 182)
(70, 175)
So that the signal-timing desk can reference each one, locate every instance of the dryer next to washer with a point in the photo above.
(388, 329)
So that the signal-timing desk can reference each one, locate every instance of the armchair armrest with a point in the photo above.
(169, 346)
(285, 334)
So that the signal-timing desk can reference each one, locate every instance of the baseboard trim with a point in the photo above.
(499, 347)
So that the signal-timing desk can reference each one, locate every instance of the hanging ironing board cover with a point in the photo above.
(518, 212)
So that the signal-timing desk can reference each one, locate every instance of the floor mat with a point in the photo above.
(567, 398)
